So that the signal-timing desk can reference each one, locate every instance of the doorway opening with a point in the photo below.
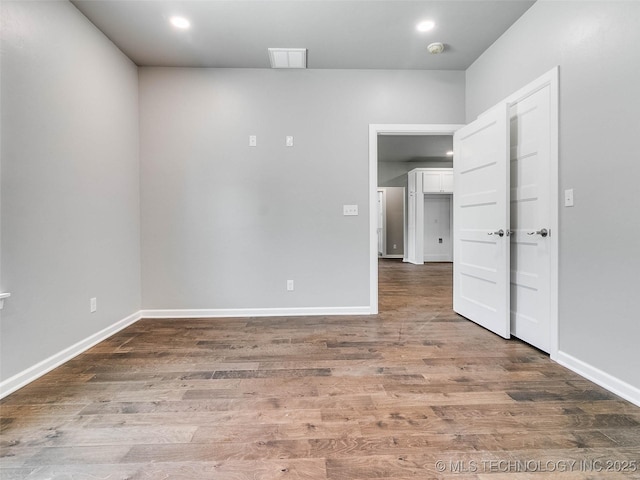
(391, 221)
(391, 135)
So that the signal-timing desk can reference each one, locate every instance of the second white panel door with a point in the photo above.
(530, 220)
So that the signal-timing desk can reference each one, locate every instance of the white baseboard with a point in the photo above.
(597, 376)
(255, 312)
(436, 257)
(34, 372)
(393, 255)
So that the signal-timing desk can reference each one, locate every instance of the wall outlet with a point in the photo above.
(395, 246)
(289, 141)
(289, 285)
(253, 141)
(93, 304)
(350, 210)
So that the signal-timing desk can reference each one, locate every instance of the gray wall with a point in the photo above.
(597, 45)
(394, 174)
(70, 182)
(225, 225)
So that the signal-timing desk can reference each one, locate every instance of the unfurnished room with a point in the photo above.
(311, 239)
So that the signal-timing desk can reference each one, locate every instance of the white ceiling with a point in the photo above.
(359, 34)
(414, 148)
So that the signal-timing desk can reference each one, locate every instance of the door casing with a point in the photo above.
(374, 131)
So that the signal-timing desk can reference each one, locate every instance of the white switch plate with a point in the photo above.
(349, 210)
(568, 197)
(289, 141)
(289, 285)
(93, 304)
(253, 141)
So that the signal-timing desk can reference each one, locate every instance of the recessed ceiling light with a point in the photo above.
(180, 22)
(450, 153)
(425, 26)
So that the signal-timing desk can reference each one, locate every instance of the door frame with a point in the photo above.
(374, 131)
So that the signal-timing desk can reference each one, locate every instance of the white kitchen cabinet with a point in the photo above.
(437, 180)
(423, 182)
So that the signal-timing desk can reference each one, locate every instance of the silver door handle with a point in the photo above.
(500, 233)
(543, 232)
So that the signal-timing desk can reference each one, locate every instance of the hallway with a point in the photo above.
(414, 392)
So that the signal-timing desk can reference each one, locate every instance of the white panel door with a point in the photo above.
(530, 220)
(481, 221)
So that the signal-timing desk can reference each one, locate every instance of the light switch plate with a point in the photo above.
(349, 210)
(289, 140)
(253, 141)
(568, 197)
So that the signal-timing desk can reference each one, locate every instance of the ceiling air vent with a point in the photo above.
(288, 57)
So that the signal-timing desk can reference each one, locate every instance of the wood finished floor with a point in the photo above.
(351, 398)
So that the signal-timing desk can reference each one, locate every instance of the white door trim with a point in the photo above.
(374, 131)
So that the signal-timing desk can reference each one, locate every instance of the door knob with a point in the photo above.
(500, 233)
(543, 232)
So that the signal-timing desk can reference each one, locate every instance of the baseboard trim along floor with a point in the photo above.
(34, 372)
(597, 376)
(255, 312)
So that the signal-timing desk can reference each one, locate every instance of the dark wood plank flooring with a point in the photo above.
(416, 392)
